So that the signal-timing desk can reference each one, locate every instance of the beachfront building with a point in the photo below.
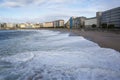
(0, 26)
(70, 23)
(41, 25)
(48, 25)
(89, 22)
(10, 26)
(72, 20)
(29, 25)
(75, 22)
(111, 17)
(58, 23)
(98, 15)
(22, 25)
(67, 24)
(4, 25)
(37, 25)
(79, 22)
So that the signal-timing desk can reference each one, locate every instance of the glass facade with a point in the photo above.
(111, 17)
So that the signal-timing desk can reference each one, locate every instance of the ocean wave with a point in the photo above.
(49, 55)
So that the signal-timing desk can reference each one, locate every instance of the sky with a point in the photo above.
(39, 11)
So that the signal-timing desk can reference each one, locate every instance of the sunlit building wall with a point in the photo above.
(67, 24)
(90, 21)
(79, 22)
(99, 17)
(10, 25)
(36, 25)
(22, 25)
(58, 23)
(48, 24)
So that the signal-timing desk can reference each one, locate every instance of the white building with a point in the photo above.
(37, 25)
(58, 23)
(79, 22)
(10, 25)
(99, 16)
(90, 21)
(48, 25)
(22, 25)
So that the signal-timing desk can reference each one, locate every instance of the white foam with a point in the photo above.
(20, 57)
(69, 58)
(79, 65)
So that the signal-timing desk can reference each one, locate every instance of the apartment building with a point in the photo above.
(111, 16)
(22, 25)
(72, 22)
(79, 22)
(4, 25)
(37, 25)
(48, 24)
(67, 24)
(75, 22)
(41, 25)
(90, 21)
(98, 15)
(58, 23)
(0, 26)
(10, 26)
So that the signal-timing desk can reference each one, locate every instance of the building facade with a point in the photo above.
(79, 22)
(99, 15)
(72, 22)
(36, 25)
(48, 24)
(67, 24)
(75, 22)
(0, 26)
(111, 17)
(90, 21)
(22, 25)
(58, 23)
(10, 26)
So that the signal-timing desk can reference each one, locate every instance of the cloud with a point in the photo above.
(12, 4)
(23, 3)
(49, 10)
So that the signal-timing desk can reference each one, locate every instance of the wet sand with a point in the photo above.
(105, 39)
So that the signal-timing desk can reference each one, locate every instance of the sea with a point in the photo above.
(54, 55)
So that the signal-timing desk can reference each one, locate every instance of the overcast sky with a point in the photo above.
(49, 10)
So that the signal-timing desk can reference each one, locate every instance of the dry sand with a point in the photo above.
(104, 39)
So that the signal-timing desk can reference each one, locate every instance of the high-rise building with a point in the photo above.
(111, 16)
(98, 15)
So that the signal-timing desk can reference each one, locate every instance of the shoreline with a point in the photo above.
(104, 39)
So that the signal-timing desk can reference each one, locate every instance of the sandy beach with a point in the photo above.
(105, 39)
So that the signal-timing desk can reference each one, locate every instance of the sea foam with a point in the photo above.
(58, 56)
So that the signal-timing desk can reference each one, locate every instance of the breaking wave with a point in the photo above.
(52, 55)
